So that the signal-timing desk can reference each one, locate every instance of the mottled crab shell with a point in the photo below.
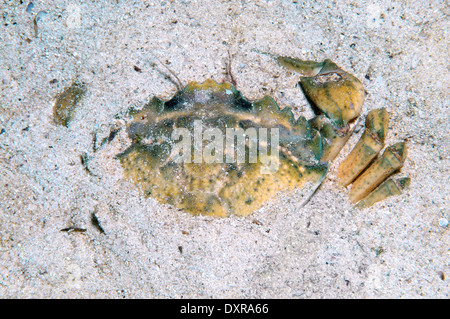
(218, 189)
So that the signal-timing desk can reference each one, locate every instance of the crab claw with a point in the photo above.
(339, 96)
(336, 93)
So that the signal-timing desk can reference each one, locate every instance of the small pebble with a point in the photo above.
(443, 222)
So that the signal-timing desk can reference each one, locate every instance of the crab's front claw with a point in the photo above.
(336, 93)
(337, 96)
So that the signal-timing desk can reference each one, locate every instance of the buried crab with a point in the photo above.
(208, 177)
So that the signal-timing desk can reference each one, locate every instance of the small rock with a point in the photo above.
(443, 222)
(66, 103)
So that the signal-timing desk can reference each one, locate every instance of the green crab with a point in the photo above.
(207, 175)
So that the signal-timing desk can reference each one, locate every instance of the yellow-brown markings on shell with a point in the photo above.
(245, 195)
(209, 84)
(218, 189)
(233, 191)
(66, 103)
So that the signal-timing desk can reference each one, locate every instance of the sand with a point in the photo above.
(136, 247)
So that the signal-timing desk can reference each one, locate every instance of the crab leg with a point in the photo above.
(334, 138)
(367, 148)
(388, 188)
(391, 160)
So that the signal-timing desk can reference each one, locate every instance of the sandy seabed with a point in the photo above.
(398, 248)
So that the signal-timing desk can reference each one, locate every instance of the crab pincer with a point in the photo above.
(339, 96)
